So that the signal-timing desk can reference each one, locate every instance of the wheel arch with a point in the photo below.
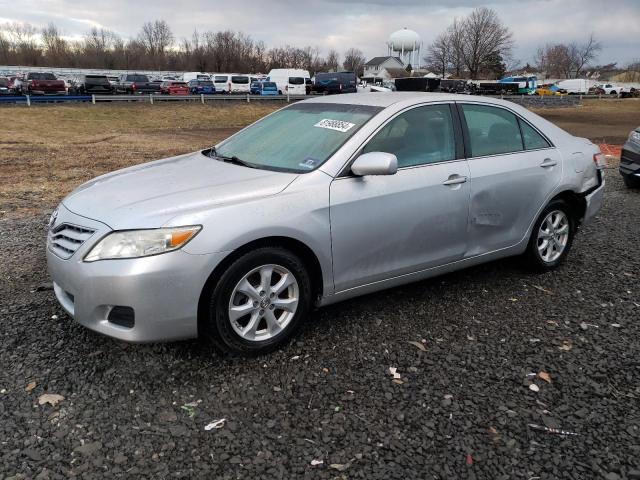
(298, 247)
(576, 202)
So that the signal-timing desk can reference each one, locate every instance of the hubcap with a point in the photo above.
(263, 302)
(553, 236)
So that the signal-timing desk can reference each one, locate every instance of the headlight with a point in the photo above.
(141, 243)
(634, 137)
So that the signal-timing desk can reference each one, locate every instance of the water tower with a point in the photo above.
(407, 45)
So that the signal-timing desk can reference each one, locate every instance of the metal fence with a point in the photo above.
(527, 100)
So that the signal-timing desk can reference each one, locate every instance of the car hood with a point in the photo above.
(151, 194)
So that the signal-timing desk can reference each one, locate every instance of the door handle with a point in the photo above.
(455, 180)
(547, 162)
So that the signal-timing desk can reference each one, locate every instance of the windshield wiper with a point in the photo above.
(233, 159)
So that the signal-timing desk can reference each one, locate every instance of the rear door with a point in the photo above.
(387, 226)
(514, 169)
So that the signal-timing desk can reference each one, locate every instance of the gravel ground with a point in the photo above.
(327, 406)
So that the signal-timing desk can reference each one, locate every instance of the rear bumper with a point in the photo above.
(594, 201)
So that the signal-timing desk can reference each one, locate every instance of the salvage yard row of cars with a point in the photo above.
(278, 82)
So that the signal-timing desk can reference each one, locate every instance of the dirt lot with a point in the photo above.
(46, 151)
(325, 406)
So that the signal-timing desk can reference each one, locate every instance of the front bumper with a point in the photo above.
(162, 290)
(630, 161)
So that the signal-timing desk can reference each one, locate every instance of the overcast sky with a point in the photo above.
(341, 24)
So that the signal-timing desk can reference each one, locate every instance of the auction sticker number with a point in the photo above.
(338, 125)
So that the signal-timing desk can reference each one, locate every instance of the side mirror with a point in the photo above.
(375, 163)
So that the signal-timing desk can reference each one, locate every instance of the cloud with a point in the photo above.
(342, 24)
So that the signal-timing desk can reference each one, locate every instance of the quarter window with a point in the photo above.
(532, 139)
(419, 136)
(492, 130)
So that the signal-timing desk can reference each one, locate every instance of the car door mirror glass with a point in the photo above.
(375, 163)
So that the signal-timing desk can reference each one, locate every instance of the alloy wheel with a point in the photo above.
(264, 302)
(553, 236)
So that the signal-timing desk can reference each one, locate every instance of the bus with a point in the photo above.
(526, 85)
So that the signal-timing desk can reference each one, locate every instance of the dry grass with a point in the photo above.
(46, 151)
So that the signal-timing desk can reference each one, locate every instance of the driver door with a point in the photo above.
(387, 226)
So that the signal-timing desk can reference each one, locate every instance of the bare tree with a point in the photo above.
(333, 61)
(439, 54)
(484, 36)
(583, 54)
(156, 37)
(354, 61)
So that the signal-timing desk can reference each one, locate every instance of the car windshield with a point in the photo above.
(42, 76)
(298, 138)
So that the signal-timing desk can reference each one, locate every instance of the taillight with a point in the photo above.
(133, 86)
(600, 160)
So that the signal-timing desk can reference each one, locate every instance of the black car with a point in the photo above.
(5, 89)
(630, 160)
(93, 84)
(331, 83)
(132, 83)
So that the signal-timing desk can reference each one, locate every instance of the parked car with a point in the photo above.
(611, 89)
(321, 201)
(188, 76)
(42, 83)
(222, 82)
(199, 87)
(240, 84)
(333, 83)
(547, 90)
(630, 160)
(5, 88)
(173, 87)
(132, 83)
(290, 80)
(93, 84)
(113, 81)
(264, 88)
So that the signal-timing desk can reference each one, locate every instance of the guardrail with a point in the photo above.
(151, 98)
(157, 98)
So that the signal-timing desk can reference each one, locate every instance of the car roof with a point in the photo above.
(386, 99)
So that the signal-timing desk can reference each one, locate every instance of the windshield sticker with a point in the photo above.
(309, 163)
(338, 125)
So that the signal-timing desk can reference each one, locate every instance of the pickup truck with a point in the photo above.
(43, 83)
(132, 83)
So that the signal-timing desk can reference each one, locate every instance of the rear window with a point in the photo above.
(270, 86)
(137, 78)
(178, 84)
(239, 79)
(42, 76)
(221, 79)
(296, 81)
(4, 82)
(205, 83)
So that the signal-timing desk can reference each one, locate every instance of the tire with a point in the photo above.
(534, 257)
(631, 182)
(260, 306)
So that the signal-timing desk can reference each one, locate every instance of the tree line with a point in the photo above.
(156, 48)
(480, 46)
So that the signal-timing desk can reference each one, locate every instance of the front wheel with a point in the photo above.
(259, 302)
(551, 237)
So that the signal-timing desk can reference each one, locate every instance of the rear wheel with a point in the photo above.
(551, 237)
(259, 302)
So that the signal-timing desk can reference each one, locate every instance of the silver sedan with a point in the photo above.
(321, 201)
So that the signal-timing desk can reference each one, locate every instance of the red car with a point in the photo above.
(174, 88)
(43, 83)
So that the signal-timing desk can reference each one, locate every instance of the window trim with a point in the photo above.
(519, 118)
(345, 172)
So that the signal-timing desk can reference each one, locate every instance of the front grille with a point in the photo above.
(65, 239)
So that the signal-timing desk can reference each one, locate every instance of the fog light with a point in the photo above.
(122, 316)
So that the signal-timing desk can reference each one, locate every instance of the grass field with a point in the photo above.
(46, 151)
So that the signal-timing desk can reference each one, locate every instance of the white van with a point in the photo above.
(188, 76)
(575, 86)
(290, 80)
(231, 82)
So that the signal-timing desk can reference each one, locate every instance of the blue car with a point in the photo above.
(264, 88)
(197, 87)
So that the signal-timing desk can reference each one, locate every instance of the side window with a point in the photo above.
(492, 130)
(532, 139)
(419, 136)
